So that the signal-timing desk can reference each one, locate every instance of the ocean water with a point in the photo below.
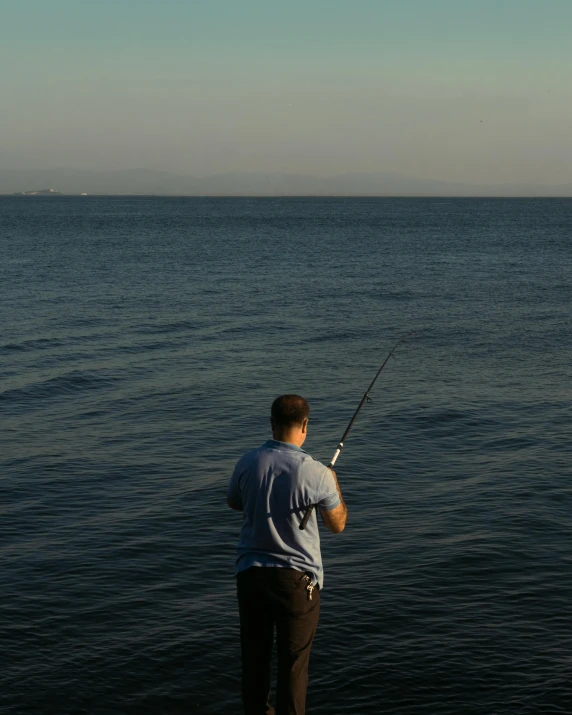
(142, 341)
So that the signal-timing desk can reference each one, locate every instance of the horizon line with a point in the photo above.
(62, 194)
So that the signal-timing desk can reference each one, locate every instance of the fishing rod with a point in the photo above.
(365, 398)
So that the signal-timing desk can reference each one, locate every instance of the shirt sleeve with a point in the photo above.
(233, 492)
(328, 498)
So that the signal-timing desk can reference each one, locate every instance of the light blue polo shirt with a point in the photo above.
(274, 484)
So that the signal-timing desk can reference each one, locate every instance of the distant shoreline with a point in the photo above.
(149, 182)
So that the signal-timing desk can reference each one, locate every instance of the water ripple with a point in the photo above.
(139, 367)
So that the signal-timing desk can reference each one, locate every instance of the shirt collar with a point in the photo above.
(275, 444)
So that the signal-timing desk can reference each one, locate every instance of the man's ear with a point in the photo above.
(305, 425)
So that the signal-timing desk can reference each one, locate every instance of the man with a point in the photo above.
(279, 567)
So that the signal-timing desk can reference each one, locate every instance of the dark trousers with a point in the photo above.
(272, 598)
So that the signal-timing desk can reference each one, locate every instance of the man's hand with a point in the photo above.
(335, 519)
(234, 505)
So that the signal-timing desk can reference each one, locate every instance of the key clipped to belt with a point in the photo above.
(309, 587)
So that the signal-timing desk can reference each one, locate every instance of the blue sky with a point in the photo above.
(434, 88)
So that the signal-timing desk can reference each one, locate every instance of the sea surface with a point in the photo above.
(142, 341)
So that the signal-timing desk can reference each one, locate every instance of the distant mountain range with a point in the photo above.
(144, 181)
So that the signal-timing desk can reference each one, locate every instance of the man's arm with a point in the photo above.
(335, 519)
(233, 495)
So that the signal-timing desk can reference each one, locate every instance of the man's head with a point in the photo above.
(289, 419)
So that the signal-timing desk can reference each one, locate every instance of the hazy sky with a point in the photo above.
(448, 89)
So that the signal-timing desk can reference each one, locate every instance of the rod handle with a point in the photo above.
(334, 459)
(310, 509)
(307, 515)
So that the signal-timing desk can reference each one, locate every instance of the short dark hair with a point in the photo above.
(289, 410)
